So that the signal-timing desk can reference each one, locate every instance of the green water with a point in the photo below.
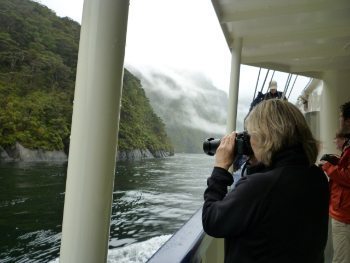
(151, 198)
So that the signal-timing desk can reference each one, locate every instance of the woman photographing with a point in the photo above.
(276, 214)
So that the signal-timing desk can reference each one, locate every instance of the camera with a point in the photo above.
(242, 145)
(331, 158)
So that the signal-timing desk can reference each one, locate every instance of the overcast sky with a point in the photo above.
(179, 34)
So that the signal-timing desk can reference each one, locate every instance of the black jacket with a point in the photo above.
(261, 96)
(276, 216)
(276, 95)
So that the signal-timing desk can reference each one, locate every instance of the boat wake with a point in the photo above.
(137, 253)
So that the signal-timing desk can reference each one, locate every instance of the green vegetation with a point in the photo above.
(189, 118)
(140, 127)
(38, 57)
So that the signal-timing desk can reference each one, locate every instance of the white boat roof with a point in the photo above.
(305, 37)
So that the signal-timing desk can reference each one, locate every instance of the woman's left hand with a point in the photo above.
(224, 153)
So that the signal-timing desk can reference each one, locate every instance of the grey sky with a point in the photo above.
(180, 34)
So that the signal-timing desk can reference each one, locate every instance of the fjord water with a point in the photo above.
(152, 199)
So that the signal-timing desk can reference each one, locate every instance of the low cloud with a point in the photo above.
(185, 98)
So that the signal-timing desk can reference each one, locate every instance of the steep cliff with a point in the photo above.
(38, 57)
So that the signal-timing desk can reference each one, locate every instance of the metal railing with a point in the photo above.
(190, 244)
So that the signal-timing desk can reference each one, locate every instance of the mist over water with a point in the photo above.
(152, 199)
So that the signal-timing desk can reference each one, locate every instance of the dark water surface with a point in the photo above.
(151, 198)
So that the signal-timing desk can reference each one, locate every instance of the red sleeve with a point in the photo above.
(340, 173)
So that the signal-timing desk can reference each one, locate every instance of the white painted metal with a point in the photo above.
(335, 92)
(308, 38)
(328, 120)
(92, 155)
(234, 85)
(299, 37)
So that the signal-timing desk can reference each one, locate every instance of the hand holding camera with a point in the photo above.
(224, 153)
(331, 158)
(242, 145)
(228, 148)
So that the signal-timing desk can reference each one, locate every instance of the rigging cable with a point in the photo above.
(273, 73)
(307, 85)
(292, 86)
(256, 86)
(286, 86)
(262, 87)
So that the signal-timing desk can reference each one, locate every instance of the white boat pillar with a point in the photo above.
(214, 251)
(329, 119)
(234, 85)
(95, 124)
(335, 93)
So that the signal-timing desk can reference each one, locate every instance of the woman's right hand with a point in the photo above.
(224, 153)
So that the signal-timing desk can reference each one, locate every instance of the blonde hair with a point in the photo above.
(278, 124)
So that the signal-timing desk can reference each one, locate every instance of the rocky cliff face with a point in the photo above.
(136, 155)
(18, 153)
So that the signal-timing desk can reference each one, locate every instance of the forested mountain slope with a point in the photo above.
(38, 57)
(192, 108)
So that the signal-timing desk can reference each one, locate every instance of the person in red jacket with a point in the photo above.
(338, 171)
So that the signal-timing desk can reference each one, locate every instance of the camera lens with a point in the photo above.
(242, 145)
(210, 145)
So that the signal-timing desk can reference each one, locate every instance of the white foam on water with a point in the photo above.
(136, 253)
